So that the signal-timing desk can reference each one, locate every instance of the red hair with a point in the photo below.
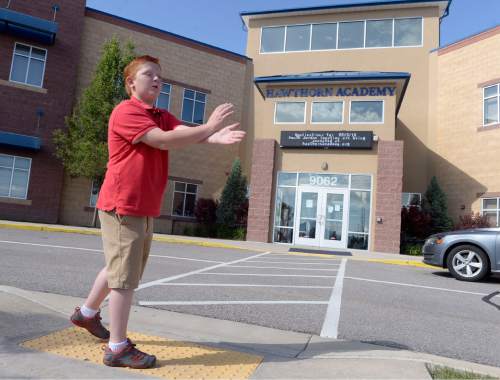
(132, 68)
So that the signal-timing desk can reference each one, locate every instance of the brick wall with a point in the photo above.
(388, 196)
(20, 102)
(261, 186)
(221, 76)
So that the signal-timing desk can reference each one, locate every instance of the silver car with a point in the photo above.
(469, 255)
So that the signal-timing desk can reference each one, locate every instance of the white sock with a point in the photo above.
(88, 312)
(116, 347)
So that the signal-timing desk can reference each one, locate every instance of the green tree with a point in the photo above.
(233, 198)
(435, 206)
(82, 146)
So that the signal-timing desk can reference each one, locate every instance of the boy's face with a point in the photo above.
(146, 84)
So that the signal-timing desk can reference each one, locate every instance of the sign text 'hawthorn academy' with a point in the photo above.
(329, 91)
(327, 139)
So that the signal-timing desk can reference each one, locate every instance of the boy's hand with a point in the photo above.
(221, 113)
(227, 135)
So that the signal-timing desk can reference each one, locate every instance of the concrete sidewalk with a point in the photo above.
(26, 315)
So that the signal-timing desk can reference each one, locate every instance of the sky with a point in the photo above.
(217, 22)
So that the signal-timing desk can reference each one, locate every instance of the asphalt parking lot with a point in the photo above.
(421, 309)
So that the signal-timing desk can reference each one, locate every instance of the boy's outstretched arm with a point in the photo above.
(183, 135)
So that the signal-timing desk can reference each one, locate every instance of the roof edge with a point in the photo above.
(173, 36)
(473, 38)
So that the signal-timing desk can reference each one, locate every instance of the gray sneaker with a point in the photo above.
(128, 357)
(92, 325)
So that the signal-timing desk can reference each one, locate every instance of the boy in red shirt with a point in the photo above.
(139, 137)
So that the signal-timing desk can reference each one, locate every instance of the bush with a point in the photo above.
(413, 249)
(205, 211)
(435, 205)
(239, 233)
(415, 222)
(472, 221)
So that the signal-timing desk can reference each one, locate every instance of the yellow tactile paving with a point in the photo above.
(175, 360)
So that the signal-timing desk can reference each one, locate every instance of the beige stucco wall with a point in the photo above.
(413, 116)
(466, 154)
(224, 78)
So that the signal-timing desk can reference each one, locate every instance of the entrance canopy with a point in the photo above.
(367, 84)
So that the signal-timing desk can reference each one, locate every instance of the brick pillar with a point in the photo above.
(388, 196)
(261, 190)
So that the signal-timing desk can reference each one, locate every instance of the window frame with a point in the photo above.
(365, 21)
(29, 63)
(185, 192)
(13, 168)
(328, 122)
(367, 122)
(168, 93)
(496, 210)
(410, 195)
(292, 122)
(497, 96)
(194, 103)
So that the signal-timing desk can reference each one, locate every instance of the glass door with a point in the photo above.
(332, 219)
(307, 217)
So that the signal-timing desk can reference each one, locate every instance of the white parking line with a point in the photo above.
(176, 277)
(245, 285)
(291, 263)
(253, 266)
(193, 303)
(331, 323)
(417, 286)
(100, 251)
(267, 275)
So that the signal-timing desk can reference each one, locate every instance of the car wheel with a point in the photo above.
(468, 263)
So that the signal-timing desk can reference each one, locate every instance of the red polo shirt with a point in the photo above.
(137, 174)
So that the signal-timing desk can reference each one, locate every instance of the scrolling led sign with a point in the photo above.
(327, 139)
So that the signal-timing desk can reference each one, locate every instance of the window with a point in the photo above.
(285, 208)
(411, 199)
(351, 34)
(324, 36)
(379, 33)
(28, 65)
(184, 199)
(490, 208)
(94, 193)
(163, 100)
(298, 37)
(272, 39)
(367, 112)
(359, 34)
(290, 112)
(327, 112)
(491, 101)
(408, 32)
(193, 106)
(14, 176)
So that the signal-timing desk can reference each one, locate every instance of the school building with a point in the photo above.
(349, 111)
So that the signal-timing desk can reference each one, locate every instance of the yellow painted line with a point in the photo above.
(381, 261)
(174, 359)
(97, 232)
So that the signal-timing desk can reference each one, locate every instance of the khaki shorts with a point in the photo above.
(127, 241)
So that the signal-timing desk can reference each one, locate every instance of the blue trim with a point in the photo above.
(20, 141)
(341, 6)
(26, 26)
(170, 34)
(338, 76)
(333, 76)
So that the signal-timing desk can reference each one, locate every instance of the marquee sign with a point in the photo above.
(329, 91)
(327, 139)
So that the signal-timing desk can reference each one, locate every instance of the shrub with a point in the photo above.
(472, 221)
(435, 205)
(205, 211)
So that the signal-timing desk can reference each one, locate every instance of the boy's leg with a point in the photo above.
(120, 302)
(99, 291)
